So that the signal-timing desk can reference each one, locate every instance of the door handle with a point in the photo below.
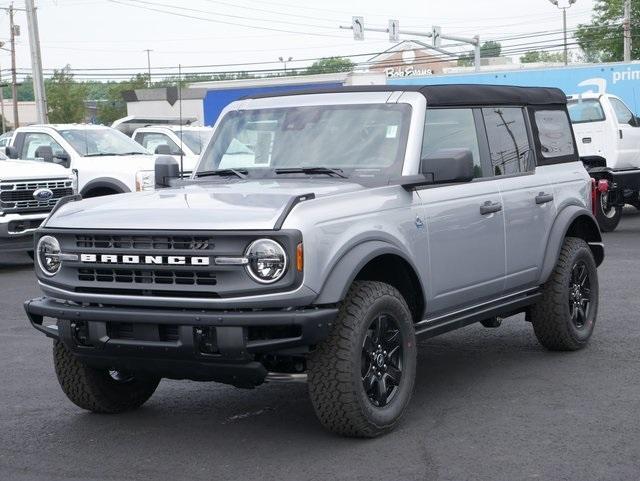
(543, 198)
(489, 208)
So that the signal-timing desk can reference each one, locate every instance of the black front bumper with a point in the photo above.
(223, 346)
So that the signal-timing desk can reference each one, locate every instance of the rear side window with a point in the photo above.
(451, 129)
(585, 111)
(554, 133)
(509, 146)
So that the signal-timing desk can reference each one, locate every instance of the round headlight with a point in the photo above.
(48, 254)
(267, 261)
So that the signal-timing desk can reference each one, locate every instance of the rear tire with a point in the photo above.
(100, 390)
(608, 216)
(564, 317)
(361, 377)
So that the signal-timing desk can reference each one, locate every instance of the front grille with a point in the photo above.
(173, 242)
(143, 332)
(134, 276)
(18, 196)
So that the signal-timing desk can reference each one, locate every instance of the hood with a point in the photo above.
(28, 169)
(244, 205)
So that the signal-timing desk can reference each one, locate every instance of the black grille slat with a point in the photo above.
(143, 242)
(157, 277)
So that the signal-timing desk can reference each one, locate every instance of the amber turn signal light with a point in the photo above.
(299, 257)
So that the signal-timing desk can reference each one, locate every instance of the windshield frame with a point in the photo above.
(384, 174)
(89, 131)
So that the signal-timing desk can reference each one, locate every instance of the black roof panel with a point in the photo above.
(454, 94)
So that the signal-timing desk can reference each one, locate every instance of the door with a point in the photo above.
(527, 191)
(465, 222)
(628, 136)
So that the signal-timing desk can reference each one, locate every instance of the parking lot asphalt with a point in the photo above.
(490, 404)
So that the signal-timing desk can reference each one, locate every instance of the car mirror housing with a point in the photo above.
(166, 170)
(44, 152)
(448, 166)
(163, 149)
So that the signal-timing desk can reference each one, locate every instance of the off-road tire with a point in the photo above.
(334, 378)
(550, 316)
(607, 220)
(94, 389)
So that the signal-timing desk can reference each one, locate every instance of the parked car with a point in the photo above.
(28, 192)
(608, 139)
(184, 143)
(107, 161)
(369, 218)
(5, 139)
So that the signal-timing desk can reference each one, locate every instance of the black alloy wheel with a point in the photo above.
(382, 360)
(579, 294)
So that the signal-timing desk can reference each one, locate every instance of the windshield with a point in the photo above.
(359, 140)
(95, 142)
(588, 110)
(196, 140)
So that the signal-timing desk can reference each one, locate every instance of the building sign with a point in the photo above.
(410, 71)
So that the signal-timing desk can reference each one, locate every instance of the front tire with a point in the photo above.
(607, 215)
(361, 377)
(100, 390)
(564, 317)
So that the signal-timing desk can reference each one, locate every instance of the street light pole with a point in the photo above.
(284, 61)
(627, 30)
(14, 83)
(564, 26)
(148, 50)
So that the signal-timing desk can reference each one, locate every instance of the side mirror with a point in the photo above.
(162, 149)
(62, 158)
(635, 121)
(449, 165)
(11, 152)
(166, 169)
(44, 152)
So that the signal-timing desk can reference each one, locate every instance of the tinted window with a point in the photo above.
(623, 114)
(451, 129)
(508, 140)
(554, 132)
(585, 111)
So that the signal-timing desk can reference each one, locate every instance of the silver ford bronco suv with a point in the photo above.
(321, 235)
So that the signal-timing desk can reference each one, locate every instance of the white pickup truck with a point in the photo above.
(107, 161)
(608, 138)
(184, 143)
(28, 192)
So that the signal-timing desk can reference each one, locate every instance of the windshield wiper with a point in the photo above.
(242, 174)
(312, 171)
(133, 153)
(100, 154)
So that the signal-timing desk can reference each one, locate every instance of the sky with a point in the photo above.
(107, 34)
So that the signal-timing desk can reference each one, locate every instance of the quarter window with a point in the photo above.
(451, 129)
(554, 132)
(509, 147)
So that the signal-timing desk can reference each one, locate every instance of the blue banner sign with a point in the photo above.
(621, 79)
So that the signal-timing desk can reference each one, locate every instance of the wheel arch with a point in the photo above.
(376, 261)
(104, 183)
(572, 221)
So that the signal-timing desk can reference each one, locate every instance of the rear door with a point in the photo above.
(465, 222)
(527, 193)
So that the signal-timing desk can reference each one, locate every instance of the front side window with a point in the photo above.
(151, 141)
(554, 132)
(99, 142)
(359, 140)
(451, 129)
(623, 114)
(33, 140)
(581, 111)
(508, 140)
(196, 140)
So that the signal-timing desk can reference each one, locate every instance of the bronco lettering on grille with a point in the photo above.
(136, 259)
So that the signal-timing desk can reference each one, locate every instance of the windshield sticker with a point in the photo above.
(392, 131)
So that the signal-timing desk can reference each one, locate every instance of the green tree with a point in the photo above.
(534, 56)
(113, 107)
(330, 65)
(65, 97)
(490, 48)
(602, 39)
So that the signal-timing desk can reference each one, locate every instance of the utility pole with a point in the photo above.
(14, 31)
(36, 63)
(148, 50)
(627, 30)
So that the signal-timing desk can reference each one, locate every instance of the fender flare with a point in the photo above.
(105, 182)
(347, 267)
(563, 222)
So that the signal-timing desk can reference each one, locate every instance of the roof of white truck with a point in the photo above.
(66, 126)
